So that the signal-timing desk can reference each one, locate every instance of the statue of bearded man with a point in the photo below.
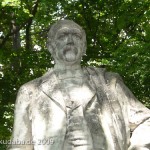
(75, 108)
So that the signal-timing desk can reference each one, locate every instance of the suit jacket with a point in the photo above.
(112, 114)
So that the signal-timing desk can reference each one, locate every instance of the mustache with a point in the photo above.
(70, 48)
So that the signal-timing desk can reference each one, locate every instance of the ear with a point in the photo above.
(51, 47)
(84, 48)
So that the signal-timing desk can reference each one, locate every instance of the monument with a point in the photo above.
(75, 108)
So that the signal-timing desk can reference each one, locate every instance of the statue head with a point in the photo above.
(66, 41)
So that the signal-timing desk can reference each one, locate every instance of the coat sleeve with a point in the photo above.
(138, 117)
(21, 137)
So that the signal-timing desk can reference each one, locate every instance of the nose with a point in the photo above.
(70, 40)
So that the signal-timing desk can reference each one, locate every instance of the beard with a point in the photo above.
(70, 53)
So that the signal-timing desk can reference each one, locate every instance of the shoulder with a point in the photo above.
(33, 85)
(93, 71)
(113, 77)
(107, 75)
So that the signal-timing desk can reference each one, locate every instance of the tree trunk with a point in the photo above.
(16, 36)
(28, 36)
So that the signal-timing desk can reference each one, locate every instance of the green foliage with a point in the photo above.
(118, 37)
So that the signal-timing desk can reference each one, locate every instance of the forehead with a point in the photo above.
(68, 29)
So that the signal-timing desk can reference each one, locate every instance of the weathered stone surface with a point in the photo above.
(74, 108)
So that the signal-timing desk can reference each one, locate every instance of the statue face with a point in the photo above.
(69, 44)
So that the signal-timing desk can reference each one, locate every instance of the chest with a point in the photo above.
(77, 91)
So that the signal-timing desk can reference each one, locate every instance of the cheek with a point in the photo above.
(78, 41)
(60, 44)
(79, 44)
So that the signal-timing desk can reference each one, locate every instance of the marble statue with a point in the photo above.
(75, 108)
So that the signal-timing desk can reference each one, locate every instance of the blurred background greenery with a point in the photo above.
(118, 37)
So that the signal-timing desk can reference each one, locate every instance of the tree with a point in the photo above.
(118, 37)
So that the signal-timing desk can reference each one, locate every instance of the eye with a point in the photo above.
(78, 36)
(61, 36)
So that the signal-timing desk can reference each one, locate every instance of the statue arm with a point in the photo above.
(138, 117)
(21, 136)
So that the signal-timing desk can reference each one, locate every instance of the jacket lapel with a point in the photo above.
(51, 88)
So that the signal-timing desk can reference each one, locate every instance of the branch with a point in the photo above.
(28, 21)
(89, 26)
(28, 35)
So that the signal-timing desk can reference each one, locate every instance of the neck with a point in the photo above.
(64, 67)
(68, 71)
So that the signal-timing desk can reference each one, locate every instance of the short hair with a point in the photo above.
(59, 24)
